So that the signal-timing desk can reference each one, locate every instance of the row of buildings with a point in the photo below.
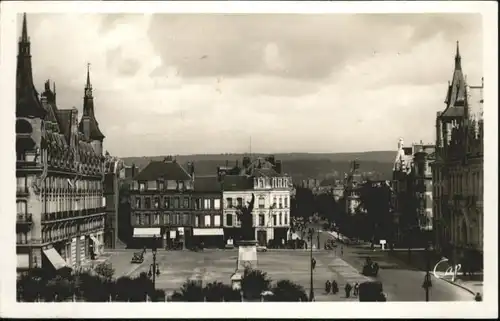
(174, 207)
(69, 194)
(439, 186)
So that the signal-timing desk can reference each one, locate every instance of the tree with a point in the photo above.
(191, 291)
(219, 292)
(58, 289)
(105, 270)
(375, 199)
(288, 291)
(253, 283)
(31, 285)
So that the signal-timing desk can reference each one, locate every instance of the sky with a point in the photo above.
(212, 83)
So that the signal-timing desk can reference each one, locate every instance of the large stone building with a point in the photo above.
(207, 198)
(412, 191)
(162, 207)
(59, 170)
(114, 170)
(271, 213)
(458, 169)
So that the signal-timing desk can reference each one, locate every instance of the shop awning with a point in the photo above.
(147, 232)
(55, 258)
(95, 240)
(207, 231)
(23, 261)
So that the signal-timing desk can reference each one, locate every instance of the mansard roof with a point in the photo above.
(167, 170)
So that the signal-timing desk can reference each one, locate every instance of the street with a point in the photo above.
(401, 282)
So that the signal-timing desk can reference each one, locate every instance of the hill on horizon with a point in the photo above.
(298, 165)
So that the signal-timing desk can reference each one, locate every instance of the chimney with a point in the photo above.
(133, 170)
(277, 166)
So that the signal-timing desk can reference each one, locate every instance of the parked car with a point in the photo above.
(371, 292)
(261, 248)
(370, 268)
(138, 257)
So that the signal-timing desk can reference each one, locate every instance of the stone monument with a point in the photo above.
(247, 245)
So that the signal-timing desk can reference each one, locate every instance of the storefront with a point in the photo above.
(211, 237)
(147, 237)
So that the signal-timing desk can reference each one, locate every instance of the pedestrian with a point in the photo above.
(313, 263)
(356, 289)
(341, 250)
(348, 288)
(328, 286)
(335, 287)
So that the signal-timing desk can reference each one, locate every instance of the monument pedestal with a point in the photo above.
(247, 255)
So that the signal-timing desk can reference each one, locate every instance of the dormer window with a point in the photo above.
(142, 186)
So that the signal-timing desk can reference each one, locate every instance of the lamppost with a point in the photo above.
(427, 281)
(311, 291)
(154, 269)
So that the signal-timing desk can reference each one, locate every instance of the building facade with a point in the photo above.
(352, 183)
(458, 168)
(59, 170)
(114, 172)
(162, 206)
(207, 199)
(412, 192)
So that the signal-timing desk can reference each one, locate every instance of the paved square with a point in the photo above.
(218, 265)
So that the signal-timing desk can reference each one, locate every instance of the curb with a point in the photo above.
(460, 286)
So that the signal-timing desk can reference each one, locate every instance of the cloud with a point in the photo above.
(179, 84)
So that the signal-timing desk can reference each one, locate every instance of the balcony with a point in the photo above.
(24, 218)
(70, 215)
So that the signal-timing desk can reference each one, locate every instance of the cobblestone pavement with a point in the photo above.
(218, 265)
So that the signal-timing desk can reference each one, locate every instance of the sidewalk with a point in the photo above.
(419, 261)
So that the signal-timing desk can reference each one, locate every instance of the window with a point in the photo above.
(137, 202)
(229, 219)
(166, 219)
(239, 202)
(286, 202)
(217, 205)
(274, 201)
(286, 219)
(206, 203)
(281, 219)
(21, 184)
(142, 187)
(261, 202)
(21, 207)
(275, 222)
(157, 202)
(138, 219)
(207, 220)
(229, 201)
(262, 219)
(217, 220)
(156, 219)
(186, 202)
(160, 185)
(186, 219)
(280, 202)
(147, 202)
(196, 221)
(166, 202)
(176, 202)
(147, 219)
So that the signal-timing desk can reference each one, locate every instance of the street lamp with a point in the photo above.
(311, 291)
(154, 269)
(427, 281)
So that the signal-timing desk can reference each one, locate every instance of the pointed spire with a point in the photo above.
(24, 33)
(458, 58)
(88, 85)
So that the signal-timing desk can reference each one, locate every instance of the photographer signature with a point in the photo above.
(450, 271)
